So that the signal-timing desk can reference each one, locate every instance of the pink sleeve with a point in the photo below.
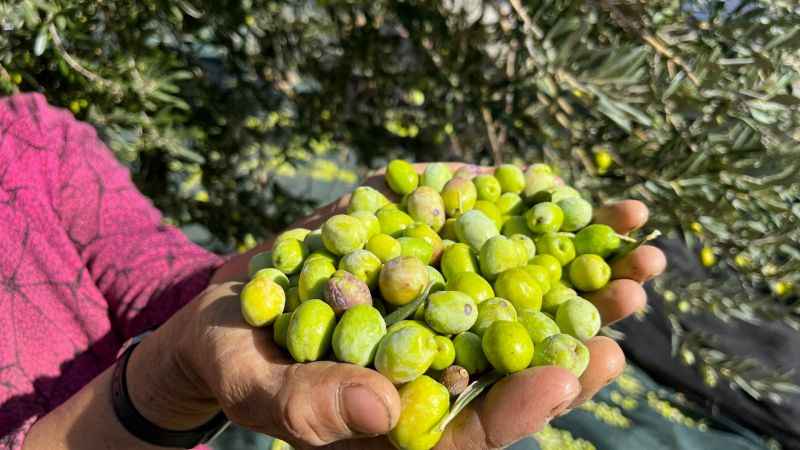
(145, 269)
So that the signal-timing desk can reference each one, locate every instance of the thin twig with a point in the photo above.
(631, 27)
(526, 19)
(677, 60)
(456, 147)
(496, 151)
(72, 62)
(511, 71)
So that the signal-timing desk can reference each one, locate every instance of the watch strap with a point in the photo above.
(147, 431)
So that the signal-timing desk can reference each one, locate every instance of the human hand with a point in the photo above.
(303, 404)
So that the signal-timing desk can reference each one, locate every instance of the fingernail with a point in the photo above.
(364, 411)
(558, 410)
(564, 412)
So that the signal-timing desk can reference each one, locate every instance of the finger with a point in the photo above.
(373, 443)
(322, 402)
(624, 216)
(641, 265)
(618, 300)
(515, 407)
(606, 362)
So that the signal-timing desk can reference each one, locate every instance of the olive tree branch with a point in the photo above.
(497, 154)
(72, 62)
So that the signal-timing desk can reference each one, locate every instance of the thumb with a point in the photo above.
(323, 402)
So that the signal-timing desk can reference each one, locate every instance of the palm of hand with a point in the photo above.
(343, 406)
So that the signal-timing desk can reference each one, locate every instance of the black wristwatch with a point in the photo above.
(147, 431)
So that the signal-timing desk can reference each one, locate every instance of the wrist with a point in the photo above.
(162, 390)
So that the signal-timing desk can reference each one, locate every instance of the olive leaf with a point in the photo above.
(631, 246)
(471, 393)
(407, 310)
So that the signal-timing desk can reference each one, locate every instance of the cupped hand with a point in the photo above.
(342, 406)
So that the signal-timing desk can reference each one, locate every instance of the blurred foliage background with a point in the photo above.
(238, 117)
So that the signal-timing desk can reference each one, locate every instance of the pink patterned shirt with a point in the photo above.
(85, 261)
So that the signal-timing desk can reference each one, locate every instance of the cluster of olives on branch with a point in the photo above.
(469, 273)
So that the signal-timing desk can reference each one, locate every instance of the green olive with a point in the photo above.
(564, 351)
(515, 225)
(405, 353)
(559, 193)
(598, 239)
(421, 230)
(274, 275)
(262, 300)
(510, 177)
(558, 294)
(549, 262)
(487, 187)
(507, 346)
(538, 324)
(499, 254)
(370, 221)
(491, 211)
(459, 196)
(343, 234)
(436, 175)
(424, 402)
(280, 329)
(472, 284)
(393, 221)
(491, 310)
(527, 247)
(401, 177)
(445, 354)
(545, 217)
(538, 177)
(469, 353)
(357, 335)
(298, 234)
(578, 317)
(313, 277)
(557, 245)
(541, 275)
(426, 205)
(321, 254)
(364, 265)
(368, 199)
(402, 280)
(510, 204)
(474, 228)
(456, 259)
(311, 326)
(577, 213)
(589, 272)
(288, 255)
(384, 247)
(450, 312)
(436, 280)
(278, 444)
(416, 247)
(519, 287)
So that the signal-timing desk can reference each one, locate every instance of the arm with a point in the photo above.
(145, 269)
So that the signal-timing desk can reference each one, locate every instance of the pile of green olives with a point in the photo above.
(494, 263)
